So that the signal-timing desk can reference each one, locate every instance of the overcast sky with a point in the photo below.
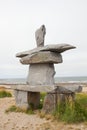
(65, 21)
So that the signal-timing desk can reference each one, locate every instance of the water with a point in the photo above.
(57, 79)
(71, 79)
(13, 81)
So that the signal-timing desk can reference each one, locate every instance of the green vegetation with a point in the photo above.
(69, 111)
(82, 98)
(17, 109)
(73, 111)
(4, 93)
(42, 95)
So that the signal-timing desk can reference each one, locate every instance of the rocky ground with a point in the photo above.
(22, 121)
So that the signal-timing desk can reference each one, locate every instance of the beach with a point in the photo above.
(22, 121)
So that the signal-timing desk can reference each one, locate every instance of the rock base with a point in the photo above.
(58, 95)
(49, 103)
(27, 100)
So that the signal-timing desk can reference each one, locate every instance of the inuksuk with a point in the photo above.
(41, 73)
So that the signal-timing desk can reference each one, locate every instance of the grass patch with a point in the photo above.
(82, 99)
(31, 110)
(42, 95)
(69, 111)
(74, 111)
(4, 93)
(17, 109)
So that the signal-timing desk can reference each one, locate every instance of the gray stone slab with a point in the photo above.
(42, 57)
(32, 88)
(68, 89)
(41, 74)
(39, 88)
(55, 48)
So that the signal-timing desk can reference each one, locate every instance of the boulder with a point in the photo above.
(42, 57)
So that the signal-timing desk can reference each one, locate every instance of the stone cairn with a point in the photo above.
(41, 73)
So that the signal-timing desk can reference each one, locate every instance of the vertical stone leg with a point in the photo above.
(49, 103)
(21, 98)
(34, 99)
(27, 100)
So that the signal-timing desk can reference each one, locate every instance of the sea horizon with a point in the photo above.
(68, 79)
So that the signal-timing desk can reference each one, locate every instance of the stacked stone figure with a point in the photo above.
(42, 59)
(41, 62)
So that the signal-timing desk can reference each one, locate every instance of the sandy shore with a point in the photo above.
(22, 121)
